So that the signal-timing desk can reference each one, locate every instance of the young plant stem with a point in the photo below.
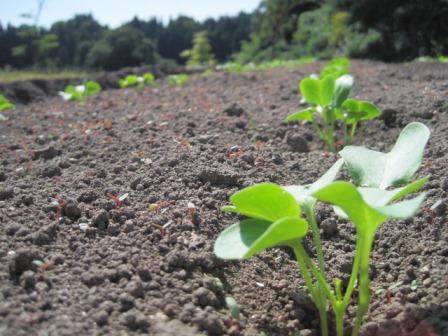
(353, 130)
(310, 215)
(316, 292)
(347, 137)
(364, 281)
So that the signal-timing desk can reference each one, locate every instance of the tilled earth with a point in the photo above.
(79, 257)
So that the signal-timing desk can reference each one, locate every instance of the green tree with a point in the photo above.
(122, 47)
(201, 52)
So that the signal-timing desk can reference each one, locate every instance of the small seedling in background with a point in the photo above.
(180, 79)
(275, 218)
(117, 199)
(138, 82)
(336, 67)
(80, 93)
(330, 105)
(233, 307)
(5, 104)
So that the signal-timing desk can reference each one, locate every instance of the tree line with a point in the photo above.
(82, 42)
(390, 30)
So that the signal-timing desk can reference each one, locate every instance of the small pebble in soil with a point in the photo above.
(296, 142)
(233, 110)
(6, 193)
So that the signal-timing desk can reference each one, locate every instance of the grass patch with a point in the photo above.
(8, 76)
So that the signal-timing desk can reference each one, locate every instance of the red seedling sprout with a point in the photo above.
(160, 228)
(117, 199)
(60, 205)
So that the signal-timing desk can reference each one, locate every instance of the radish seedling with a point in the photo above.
(180, 79)
(275, 217)
(138, 82)
(5, 104)
(80, 93)
(330, 102)
(275, 220)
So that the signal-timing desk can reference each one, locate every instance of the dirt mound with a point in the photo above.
(143, 263)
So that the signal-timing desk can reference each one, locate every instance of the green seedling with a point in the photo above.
(180, 79)
(80, 93)
(330, 104)
(274, 218)
(138, 82)
(336, 67)
(233, 307)
(5, 104)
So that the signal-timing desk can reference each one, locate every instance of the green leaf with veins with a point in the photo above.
(368, 216)
(318, 91)
(267, 201)
(251, 236)
(370, 168)
(356, 110)
(306, 115)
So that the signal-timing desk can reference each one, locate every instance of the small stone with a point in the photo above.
(206, 297)
(389, 117)
(113, 229)
(135, 288)
(6, 193)
(126, 301)
(28, 279)
(296, 142)
(47, 153)
(135, 321)
(51, 171)
(27, 200)
(234, 110)
(101, 219)
(22, 261)
(329, 227)
(101, 318)
(277, 159)
(72, 210)
(88, 196)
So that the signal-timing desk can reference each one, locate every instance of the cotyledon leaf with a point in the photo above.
(379, 198)
(302, 194)
(370, 168)
(248, 237)
(267, 201)
(365, 217)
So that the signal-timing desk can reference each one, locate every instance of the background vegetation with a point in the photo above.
(390, 30)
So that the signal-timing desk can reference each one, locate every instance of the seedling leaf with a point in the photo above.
(248, 237)
(266, 201)
(369, 216)
(318, 91)
(357, 110)
(306, 115)
(375, 169)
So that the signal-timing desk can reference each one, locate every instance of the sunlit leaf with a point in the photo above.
(370, 168)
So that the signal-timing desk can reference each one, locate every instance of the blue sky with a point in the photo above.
(115, 12)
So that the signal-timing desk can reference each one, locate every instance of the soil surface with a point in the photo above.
(75, 259)
(25, 92)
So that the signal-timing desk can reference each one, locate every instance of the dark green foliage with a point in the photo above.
(121, 47)
(388, 30)
(68, 43)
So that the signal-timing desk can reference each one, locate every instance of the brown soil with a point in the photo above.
(110, 269)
